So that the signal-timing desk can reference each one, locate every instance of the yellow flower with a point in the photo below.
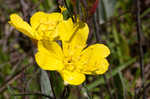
(73, 60)
(43, 25)
(62, 8)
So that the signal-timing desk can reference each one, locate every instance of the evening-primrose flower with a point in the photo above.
(62, 8)
(73, 60)
(42, 25)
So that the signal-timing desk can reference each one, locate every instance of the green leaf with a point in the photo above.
(58, 83)
(120, 85)
(146, 12)
(106, 9)
(46, 87)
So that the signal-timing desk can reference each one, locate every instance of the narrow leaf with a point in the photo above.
(45, 84)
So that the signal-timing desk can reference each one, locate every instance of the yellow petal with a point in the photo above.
(73, 78)
(78, 40)
(98, 67)
(102, 67)
(93, 59)
(47, 61)
(65, 29)
(56, 17)
(49, 55)
(45, 18)
(37, 18)
(96, 51)
(50, 47)
(21, 25)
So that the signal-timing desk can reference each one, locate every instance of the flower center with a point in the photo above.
(69, 64)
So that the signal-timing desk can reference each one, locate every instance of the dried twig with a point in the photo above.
(96, 28)
(12, 79)
(25, 8)
(139, 35)
(34, 93)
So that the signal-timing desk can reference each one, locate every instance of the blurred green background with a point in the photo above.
(113, 23)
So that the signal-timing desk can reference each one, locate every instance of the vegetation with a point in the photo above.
(122, 25)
